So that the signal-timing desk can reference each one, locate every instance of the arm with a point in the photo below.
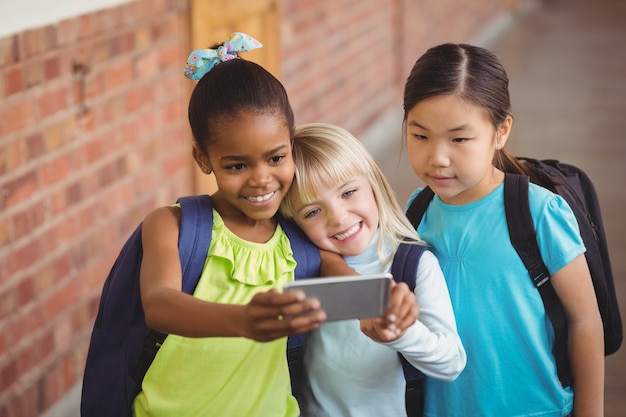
(573, 285)
(334, 265)
(169, 310)
(432, 344)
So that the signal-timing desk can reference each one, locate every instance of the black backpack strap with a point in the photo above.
(404, 269)
(418, 206)
(524, 240)
(194, 239)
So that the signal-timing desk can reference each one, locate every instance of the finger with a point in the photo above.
(273, 328)
(275, 298)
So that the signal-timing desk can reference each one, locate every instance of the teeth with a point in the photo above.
(349, 233)
(260, 198)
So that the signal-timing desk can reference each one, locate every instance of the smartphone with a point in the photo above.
(348, 297)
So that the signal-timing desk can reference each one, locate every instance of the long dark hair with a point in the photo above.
(230, 88)
(475, 75)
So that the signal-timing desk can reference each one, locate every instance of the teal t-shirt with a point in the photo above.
(500, 316)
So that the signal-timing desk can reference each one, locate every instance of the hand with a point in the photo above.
(403, 312)
(271, 315)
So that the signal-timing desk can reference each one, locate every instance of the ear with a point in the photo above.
(503, 132)
(202, 159)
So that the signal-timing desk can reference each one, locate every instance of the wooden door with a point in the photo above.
(213, 21)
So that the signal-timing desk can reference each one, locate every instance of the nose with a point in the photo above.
(438, 154)
(336, 215)
(260, 176)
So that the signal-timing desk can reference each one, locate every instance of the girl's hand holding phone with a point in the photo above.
(403, 312)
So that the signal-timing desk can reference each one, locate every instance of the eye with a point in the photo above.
(460, 140)
(349, 193)
(236, 167)
(311, 213)
(419, 136)
(276, 159)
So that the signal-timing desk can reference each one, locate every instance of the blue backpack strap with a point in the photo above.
(194, 239)
(524, 240)
(305, 253)
(404, 269)
(405, 262)
(308, 263)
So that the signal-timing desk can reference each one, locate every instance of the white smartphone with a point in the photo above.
(348, 297)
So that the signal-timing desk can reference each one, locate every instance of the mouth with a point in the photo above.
(439, 177)
(440, 180)
(261, 198)
(348, 233)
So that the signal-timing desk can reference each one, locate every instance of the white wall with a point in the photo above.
(19, 15)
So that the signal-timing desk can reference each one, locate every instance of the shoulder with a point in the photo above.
(413, 196)
(163, 220)
(542, 200)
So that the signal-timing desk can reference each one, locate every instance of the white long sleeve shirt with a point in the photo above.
(348, 374)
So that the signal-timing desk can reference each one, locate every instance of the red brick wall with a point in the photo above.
(77, 172)
(85, 155)
(345, 61)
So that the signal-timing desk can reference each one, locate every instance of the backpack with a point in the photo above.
(122, 347)
(576, 188)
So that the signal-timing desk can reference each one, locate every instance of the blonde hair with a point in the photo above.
(327, 156)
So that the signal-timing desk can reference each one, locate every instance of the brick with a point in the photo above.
(4, 233)
(46, 345)
(9, 374)
(56, 170)
(26, 322)
(8, 304)
(16, 152)
(35, 146)
(118, 75)
(31, 42)
(20, 189)
(55, 304)
(21, 224)
(15, 116)
(53, 101)
(67, 31)
(54, 137)
(139, 97)
(52, 68)
(121, 44)
(74, 194)
(14, 80)
(34, 72)
(26, 292)
(9, 50)
(25, 256)
(85, 25)
(142, 37)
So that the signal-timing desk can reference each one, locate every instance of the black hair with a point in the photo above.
(230, 88)
(472, 73)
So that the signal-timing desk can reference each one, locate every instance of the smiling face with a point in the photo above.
(253, 165)
(451, 145)
(343, 219)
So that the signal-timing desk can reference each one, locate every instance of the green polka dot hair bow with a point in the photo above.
(202, 61)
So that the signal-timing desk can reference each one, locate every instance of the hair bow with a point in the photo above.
(202, 61)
